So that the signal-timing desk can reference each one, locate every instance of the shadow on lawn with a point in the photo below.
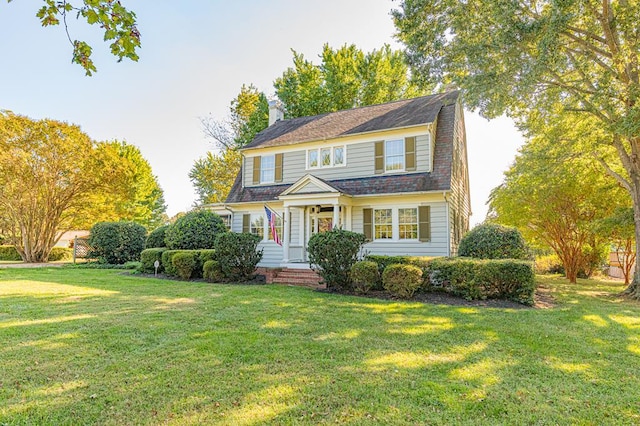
(103, 348)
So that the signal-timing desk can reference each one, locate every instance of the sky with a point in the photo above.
(195, 56)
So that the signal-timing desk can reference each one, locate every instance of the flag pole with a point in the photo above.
(272, 210)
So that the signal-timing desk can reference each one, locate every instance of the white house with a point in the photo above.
(396, 172)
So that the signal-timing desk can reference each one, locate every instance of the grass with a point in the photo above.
(98, 347)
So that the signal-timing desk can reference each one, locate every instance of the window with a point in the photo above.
(257, 226)
(226, 219)
(268, 169)
(313, 158)
(278, 220)
(326, 157)
(338, 156)
(394, 155)
(382, 224)
(408, 224)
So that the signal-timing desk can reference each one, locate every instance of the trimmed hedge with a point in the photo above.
(237, 255)
(155, 239)
(9, 253)
(148, 258)
(364, 275)
(211, 271)
(60, 253)
(482, 279)
(184, 263)
(333, 253)
(383, 261)
(116, 242)
(402, 280)
(194, 231)
(493, 241)
(200, 257)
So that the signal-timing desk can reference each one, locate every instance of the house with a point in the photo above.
(396, 172)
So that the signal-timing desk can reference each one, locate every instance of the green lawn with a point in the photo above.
(98, 347)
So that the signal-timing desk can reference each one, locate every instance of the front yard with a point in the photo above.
(99, 347)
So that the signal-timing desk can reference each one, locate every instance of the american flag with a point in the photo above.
(271, 218)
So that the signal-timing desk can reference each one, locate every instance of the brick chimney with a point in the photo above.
(276, 111)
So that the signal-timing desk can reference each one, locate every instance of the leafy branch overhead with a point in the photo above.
(117, 22)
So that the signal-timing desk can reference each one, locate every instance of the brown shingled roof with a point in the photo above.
(439, 179)
(398, 114)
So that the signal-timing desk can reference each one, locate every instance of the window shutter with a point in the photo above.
(410, 153)
(246, 223)
(278, 172)
(367, 223)
(379, 157)
(424, 225)
(256, 170)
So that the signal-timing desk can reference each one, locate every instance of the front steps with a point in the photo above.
(291, 276)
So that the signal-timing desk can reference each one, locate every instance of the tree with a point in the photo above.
(213, 175)
(554, 197)
(117, 22)
(619, 230)
(53, 178)
(47, 171)
(346, 78)
(518, 57)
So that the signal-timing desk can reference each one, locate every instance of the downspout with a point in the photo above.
(446, 207)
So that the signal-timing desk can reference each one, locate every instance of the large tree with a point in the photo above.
(518, 57)
(116, 21)
(345, 78)
(54, 178)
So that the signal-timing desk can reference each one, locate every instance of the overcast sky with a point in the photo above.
(195, 56)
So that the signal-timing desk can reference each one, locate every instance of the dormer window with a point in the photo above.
(268, 169)
(394, 155)
(326, 157)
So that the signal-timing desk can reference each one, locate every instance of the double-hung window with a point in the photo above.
(268, 169)
(394, 155)
(408, 224)
(383, 224)
(257, 226)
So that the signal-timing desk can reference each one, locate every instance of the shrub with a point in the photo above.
(132, 265)
(9, 253)
(492, 241)
(199, 256)
(184, 264)
(364, 275)
(155, 238)
(195, 230)
(480, 279)
(211, 271)
(167, 262)
(60, 253)
(237, 255)
(383, 261)
(333, 253)
(148, 258)
(116, 242)
(402, 280)
(549, 264)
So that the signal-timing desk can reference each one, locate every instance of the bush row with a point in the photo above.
(9, 253)
(469, 278)
(234, 259)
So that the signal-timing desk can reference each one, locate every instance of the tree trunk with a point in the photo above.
(634, 288)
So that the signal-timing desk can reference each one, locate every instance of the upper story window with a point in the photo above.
(326, 157)
(268, 169)
(394, 155)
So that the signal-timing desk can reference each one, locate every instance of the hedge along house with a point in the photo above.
(396, 172)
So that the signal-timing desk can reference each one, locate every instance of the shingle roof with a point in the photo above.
(437, 180)
(404, 113)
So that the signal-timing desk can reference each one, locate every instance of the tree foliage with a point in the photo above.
(519, 57)
(53, 178)
(619, 229)
(117, 242)
(117, 22)
(197, 229)
(493, 241)
(214, 174)
(346, 78)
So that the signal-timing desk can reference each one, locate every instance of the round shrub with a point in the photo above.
(195, 230)
(364, 275)
(333, 253)
(237, 255)
(148, 257)
(211, 271)
(156, 237)
(402, 280)
(116, 242)
(184, 264)
(493, 241)
(60, 253)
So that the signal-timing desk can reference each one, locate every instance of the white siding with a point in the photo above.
(360, 163)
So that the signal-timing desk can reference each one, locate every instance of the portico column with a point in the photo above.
(285, 242)
(348, 220)
(336, 215)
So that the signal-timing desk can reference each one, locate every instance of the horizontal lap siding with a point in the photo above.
(272, 253)
(436, 247)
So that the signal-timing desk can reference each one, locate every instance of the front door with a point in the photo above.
(318, 222)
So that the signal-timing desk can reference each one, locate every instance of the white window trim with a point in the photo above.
(262, 168)
(404, 154)
(319, 151)
(395, 224)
